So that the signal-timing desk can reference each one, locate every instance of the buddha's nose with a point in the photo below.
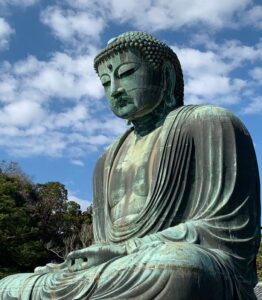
(117, 92)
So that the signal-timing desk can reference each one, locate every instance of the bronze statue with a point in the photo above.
(176, 198)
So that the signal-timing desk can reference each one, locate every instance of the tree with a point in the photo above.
(60, 221)
(48, 213)
(259, 263)
(20, 247)
(37, 222)
(86, 233)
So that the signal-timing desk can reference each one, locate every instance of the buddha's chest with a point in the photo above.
(130, 177)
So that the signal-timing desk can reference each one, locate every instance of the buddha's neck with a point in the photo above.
(149, 122)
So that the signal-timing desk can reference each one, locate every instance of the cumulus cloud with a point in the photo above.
(254, 106)
(156, 15)
(63, 77)
(208, 73)
(33, 121)
(206, 76)
(73, 26)
(71, 117)
(253, 16)
(238, 53)
(79, 21)
(23, 113)
(234, 50)
(52, 108)
(5, 33)
(40, 132)
(21, 142)
(256, 74)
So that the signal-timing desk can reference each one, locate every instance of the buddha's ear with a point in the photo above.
(169, 82)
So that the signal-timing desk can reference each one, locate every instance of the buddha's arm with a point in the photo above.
(101, 252)
(93, 255)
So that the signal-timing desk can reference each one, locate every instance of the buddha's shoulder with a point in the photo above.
(202, 114)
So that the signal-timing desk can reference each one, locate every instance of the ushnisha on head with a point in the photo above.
(155, 52)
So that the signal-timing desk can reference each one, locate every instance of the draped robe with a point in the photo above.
(198, 232)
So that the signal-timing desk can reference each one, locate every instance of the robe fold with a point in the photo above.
(198, 231)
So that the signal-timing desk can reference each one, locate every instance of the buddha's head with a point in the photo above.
(140, 74)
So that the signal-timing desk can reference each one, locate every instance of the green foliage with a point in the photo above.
(7, 271)
(49, 210)
(59, 220)
(30, 254)
(37, 222)
(259, 263)
(18, 232)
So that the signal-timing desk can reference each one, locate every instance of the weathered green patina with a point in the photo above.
(176, 198)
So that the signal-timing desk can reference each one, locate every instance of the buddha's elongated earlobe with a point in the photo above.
(169, 84)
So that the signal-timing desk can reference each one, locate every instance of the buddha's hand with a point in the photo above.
(94, 256)
(51, 268)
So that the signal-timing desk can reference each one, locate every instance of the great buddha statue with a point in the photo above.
(176, 197)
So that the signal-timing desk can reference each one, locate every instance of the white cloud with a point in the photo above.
(73, 26)
(237, 53)
(33, 128)
(101, 139)
(5, 32)
(254, 106)
(75, 21)
(194, 60)
(156, 15)
(232, 50)
(207, 77)
(33, 123)
(77, 162)
(40, 132)
(63, 77)
(20, 142)
(23, 113)
(32, 119)
(253, 17)
(71, 117)
(256, 74)
(211, 74)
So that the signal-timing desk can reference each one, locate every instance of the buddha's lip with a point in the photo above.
(123, 101)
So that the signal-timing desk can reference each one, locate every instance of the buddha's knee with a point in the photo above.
(193, 273)
(183, 255)
(189, 283)
(18, 285)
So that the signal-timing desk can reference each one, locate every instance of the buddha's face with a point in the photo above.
(133, 87)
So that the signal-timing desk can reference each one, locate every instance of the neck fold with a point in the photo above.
(151, 121)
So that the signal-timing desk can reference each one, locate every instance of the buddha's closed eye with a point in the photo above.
(127, 69)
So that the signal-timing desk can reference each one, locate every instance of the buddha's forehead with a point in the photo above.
(119, 58)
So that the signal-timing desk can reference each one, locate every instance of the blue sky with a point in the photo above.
(54, 120)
